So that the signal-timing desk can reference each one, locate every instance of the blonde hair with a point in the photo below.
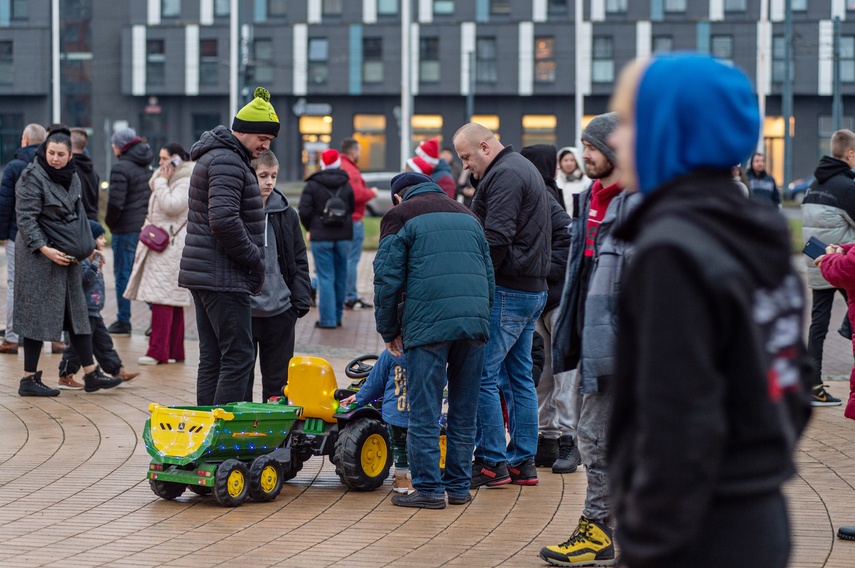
(841, 142)
(266, 158)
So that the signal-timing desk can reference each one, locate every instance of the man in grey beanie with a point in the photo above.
(583, 336)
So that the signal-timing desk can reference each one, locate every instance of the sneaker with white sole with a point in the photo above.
(146, 360)
(401, 483)
(820, 397)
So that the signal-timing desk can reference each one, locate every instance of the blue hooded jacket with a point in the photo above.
(714, 95)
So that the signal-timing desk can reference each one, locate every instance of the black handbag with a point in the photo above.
(71, 234)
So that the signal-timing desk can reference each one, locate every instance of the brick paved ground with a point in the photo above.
(73, 489)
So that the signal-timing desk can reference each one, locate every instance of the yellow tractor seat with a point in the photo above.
(312, 385)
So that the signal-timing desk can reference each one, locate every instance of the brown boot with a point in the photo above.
(67, 382)
(126, 377)
(57, 347)
(8, 347)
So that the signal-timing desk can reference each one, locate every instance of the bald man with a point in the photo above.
(511, 202)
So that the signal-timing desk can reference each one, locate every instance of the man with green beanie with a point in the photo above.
(223, 259)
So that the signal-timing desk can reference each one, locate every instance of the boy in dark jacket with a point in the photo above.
(286, 292)
(102, 343)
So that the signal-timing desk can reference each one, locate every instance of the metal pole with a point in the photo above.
(234, 66)
(54, 56)
(579, 97)
(762, 71)
(470, 97)
(836, 98)
(406, 85)
(787, 96)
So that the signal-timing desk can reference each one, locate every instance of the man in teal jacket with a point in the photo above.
(434, 258)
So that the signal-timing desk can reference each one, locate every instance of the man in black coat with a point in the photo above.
(127, 206)
(223, 259)
(89, 179)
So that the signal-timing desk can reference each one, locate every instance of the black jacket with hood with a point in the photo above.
(89, 184)
(512, 203)
(291, 251)
(127, 202)
(8, 219)
(223, 251)
(320, 187)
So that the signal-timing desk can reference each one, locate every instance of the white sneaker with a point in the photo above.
(146, 360)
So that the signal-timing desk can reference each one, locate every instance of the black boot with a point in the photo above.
(547, 451)
(97, 380)
(568, 455)
(32, 385)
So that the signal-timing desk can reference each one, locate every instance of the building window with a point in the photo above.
(11, 126)
(847, 59)
(315, 132)
(488, 121)
(544, 59)
(779, 57)
(332, 7)
(425, 127)
(826, 129)
(799, 5)
(615, 6)
(722, 48)
(538, 129)
(734, 5)
(222, 8)
(557, 7)
(262, 50)
(485, 64)
(443, 7)
(155, 57)
(675, 5)
(203, 122)
(276, 8)
(603, 63)
(372, 60)
(209, 73)
(370, 131)
(20, 9)
(387, 7)
(429, 60)
(662, 44)
(7, 63)
(500, 6)
(170, 8)
(318, 57)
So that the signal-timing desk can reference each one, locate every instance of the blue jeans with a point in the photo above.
(124, 248)
(331, 268)
(426, 365)
(350, 293)
(507, 367)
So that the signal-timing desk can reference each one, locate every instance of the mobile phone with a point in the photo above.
(175, 161)
(814, 248)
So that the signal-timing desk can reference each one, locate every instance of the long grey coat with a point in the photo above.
(44, 290)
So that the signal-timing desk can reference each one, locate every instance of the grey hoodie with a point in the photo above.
(274, 297)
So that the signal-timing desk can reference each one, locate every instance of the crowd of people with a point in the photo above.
(628, 304)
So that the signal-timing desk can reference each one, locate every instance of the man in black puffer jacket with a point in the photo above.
(127, 206)
(512, 203)
(223, 259)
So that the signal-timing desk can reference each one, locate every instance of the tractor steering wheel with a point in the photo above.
(358, 368)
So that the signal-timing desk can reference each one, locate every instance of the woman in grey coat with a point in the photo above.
(49, 297)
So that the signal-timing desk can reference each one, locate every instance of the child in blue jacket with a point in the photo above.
(388, 381)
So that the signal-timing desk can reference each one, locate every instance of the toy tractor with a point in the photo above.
(245, 449)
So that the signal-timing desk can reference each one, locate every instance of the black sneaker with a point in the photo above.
(846, 533)
(420, 500)
(358, 304)
(568, 455)
(523, 473)
(547, 451)
(32, 385)
(122, 328)
(821, 398)
(459, 499)
(96, 380)
(485, 474)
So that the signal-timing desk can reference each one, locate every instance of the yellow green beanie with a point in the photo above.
(257, 117)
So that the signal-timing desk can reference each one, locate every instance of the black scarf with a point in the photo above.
(62, 175)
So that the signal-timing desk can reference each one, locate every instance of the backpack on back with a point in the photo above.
(335, 210)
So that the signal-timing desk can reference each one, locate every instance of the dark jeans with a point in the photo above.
(820, 316)
(224, 321)
(102, 349)
(273, 341)
(124, 247)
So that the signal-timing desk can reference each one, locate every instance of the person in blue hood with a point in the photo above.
(710, 393)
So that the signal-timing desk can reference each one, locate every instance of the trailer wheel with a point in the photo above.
(166, 489)
(265, 478)
(293, 468)
(200, 490)
(231, 483)
(363, 454)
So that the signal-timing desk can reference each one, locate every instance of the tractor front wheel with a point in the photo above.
(231, 483)
(265, 478)
(166, 489)
(363, 454)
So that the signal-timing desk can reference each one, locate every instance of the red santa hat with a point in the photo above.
(420, 165)
(330, 159)
(429, 151)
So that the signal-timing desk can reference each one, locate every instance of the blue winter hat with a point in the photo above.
(96, 228)
(407, 179)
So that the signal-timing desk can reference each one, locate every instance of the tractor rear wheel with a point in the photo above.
(363, 454)
(265, 478)
(200, 490)
(231, 483)
(166, 489)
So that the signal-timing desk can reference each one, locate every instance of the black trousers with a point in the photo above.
(273, 344)
(820, 316)
(224, 322)
(102, 349)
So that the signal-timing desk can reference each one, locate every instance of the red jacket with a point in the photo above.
(839, 270)
(361, 193)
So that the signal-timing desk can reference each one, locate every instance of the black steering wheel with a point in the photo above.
(358, 368)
